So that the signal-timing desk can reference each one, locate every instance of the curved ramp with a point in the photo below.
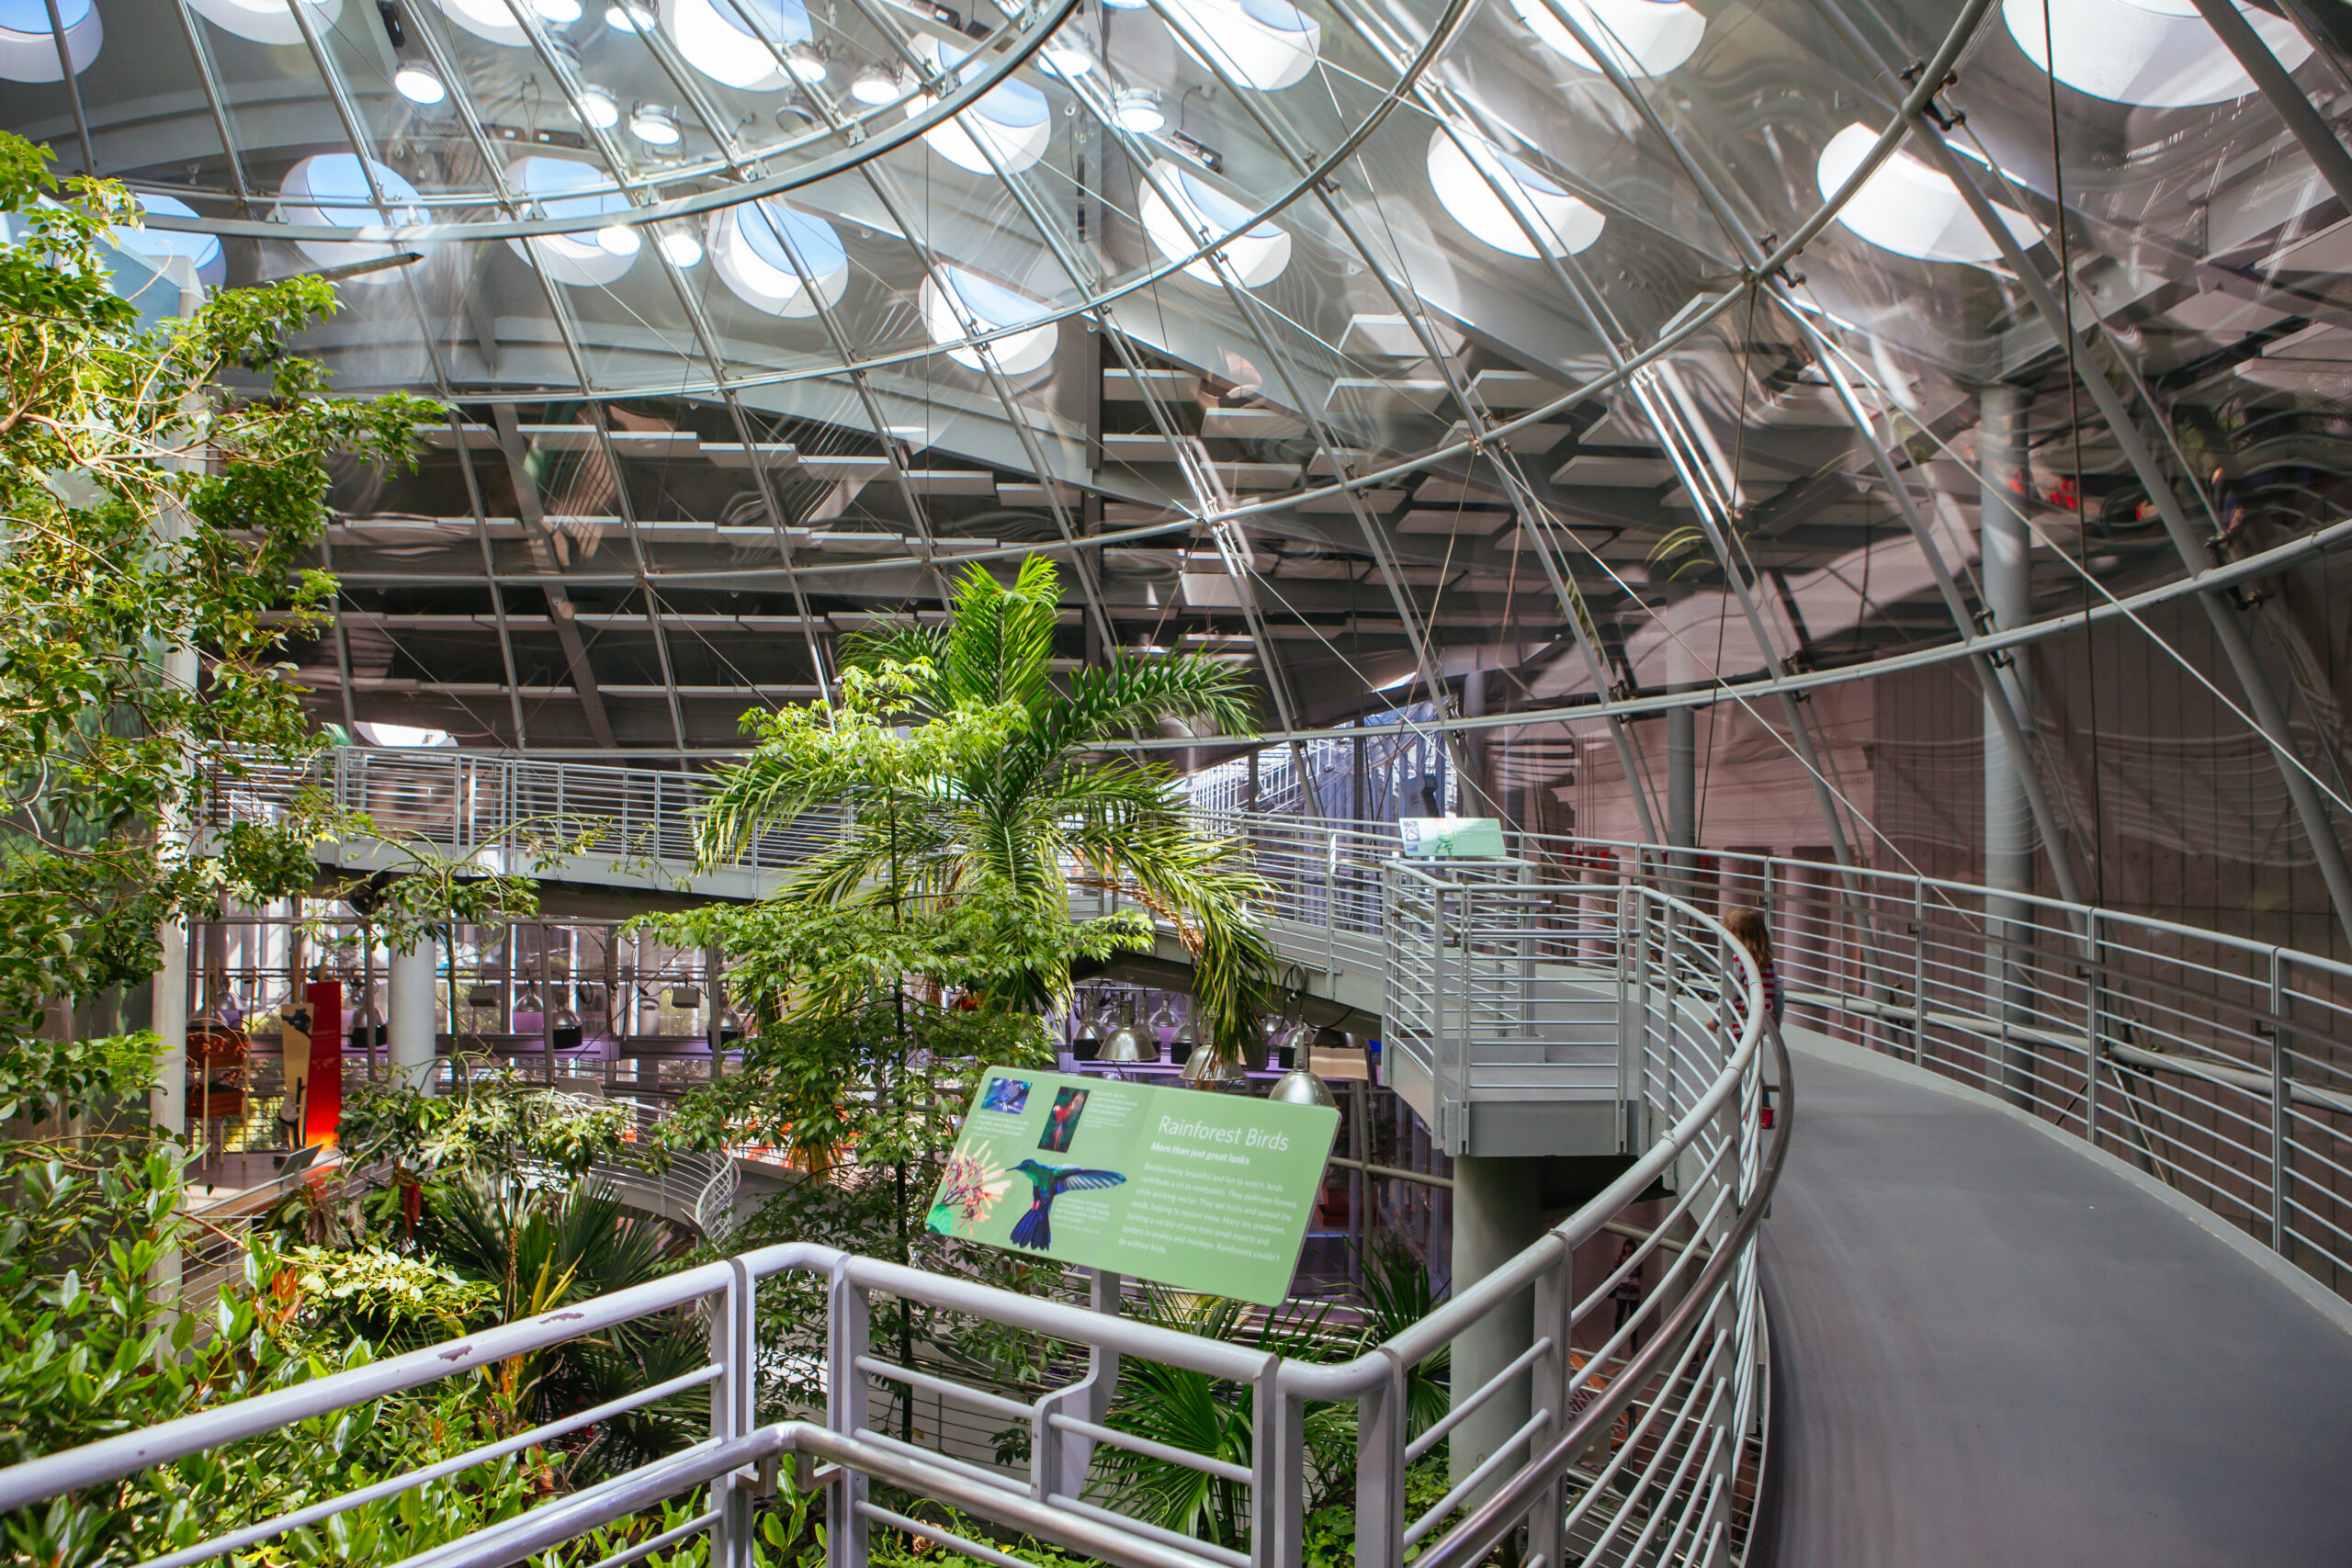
(1991, 1348)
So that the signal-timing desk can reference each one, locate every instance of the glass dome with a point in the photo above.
(1400, 358)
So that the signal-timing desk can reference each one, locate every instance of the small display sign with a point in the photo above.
(1452, 837)
(1208, 1193)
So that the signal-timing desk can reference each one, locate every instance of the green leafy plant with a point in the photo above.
(967, 774)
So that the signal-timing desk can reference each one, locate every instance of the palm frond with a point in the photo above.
(1003, 642)
(1106, 701)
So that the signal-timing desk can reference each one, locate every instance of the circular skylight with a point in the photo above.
(1265, 44)
(1563, 224)
(717, 41)
(579, 259)
(29, 50)
(1200, 213)
(988, 306)
(263, 22)
(331, 189)
(1643, 37)
(484, 18)
(748, 244)
(2158, 53)
(202, 251)
(1012, 120)
(1909, 208)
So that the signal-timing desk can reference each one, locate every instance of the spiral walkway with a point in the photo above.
(1991, 1348)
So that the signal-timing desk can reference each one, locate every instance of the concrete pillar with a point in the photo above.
(2005, 569)
(1497, 1215)
(415, 1019)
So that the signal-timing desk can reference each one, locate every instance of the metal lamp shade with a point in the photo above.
(1207, 1070)
(1299, 1087)
(1125, 1044)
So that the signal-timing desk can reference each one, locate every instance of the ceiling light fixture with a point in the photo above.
(627, 19)
(1137, 109)
(682, 249)
(618, 240)
(1066, 55)
(878, 85)
(806, 62)
(419, 83)
(598, 108)
(561, 12)
(655, 126)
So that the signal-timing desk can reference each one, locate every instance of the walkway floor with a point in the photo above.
(1994, 1350)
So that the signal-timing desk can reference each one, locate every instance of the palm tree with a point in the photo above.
(1001, 819)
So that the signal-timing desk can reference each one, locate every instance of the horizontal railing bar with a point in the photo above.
(944, 1388)
(75, 1469)
(1468, 1405)
(1166, 1453)
(646, 1549)
(1479, 1477)
(945, 1537)
(222, 1546)
(978, 1473)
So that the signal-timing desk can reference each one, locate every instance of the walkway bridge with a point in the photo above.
(2057, 1273)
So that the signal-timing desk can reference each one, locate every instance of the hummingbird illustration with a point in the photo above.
(1050, 1182)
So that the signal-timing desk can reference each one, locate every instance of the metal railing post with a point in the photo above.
(2094, 1030)
(1381, 1416)
(851, 1326)
(2278, 1092)
(732, 1402)
(1918, 973)
(1277, 1473)
(1555, 1305)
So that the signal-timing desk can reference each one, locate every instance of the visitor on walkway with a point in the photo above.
(1628, 1296)
(1747, 927)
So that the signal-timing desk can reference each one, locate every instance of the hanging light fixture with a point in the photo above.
(655, 126)
(1088, 1040)
(1300, 1087)
(878, 85)
(1125, 1043)
(565, 1028)
(1137, 109)
(1209, 1071)
(418, 83)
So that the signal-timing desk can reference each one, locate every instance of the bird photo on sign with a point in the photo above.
(1048, 1182)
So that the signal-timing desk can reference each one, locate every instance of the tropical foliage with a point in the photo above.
(967, 776)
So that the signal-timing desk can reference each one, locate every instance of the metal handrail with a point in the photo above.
(1712, 1142)
(2134, 1032)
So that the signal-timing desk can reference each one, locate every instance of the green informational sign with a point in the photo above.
(1208, 1192)
(1452, 837)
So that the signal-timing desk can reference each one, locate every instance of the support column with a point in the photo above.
(2005, 568)
(1497, 1215)
(1682, 797)
(412, 1027)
